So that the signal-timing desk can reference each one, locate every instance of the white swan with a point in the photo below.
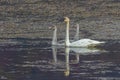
(54, 39)
(79, 43)
(61, 43)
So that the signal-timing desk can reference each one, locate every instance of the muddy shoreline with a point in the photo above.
(31, 19)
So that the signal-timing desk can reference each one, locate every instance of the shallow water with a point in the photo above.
(36, 59)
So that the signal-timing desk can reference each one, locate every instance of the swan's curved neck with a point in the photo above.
(67, 42)
(77, 33)
(54, 40)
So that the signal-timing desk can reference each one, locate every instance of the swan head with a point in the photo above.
(66, 19)
(53, 27)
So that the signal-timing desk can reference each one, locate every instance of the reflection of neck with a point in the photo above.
(67, 72)
(77, 56)
(67, 42)
(54, 41)
(54, 54)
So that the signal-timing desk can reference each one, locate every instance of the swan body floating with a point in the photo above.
(81, 42)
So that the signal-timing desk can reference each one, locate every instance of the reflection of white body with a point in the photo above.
(79, 43)
(78, 51)
(85, 51)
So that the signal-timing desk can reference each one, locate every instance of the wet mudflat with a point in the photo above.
(36, 59)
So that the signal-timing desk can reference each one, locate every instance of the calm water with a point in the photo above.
(35, 59)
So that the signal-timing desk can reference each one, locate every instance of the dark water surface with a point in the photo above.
(35, 59)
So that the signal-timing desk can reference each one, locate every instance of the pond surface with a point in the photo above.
(36, 59)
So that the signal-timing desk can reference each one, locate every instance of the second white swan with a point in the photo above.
(81, 42)
(55, 42)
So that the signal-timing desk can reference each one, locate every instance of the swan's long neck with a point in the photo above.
(67, 42)
(54, 40)
(77, 33)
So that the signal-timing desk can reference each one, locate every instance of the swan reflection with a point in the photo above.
(70, 51)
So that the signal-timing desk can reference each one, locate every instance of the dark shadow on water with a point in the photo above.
(35, 59)
(111, 45)
(23, 43)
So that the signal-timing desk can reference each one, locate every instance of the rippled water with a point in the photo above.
(36, 59)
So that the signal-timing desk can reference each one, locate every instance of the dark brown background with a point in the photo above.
(98, 19)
